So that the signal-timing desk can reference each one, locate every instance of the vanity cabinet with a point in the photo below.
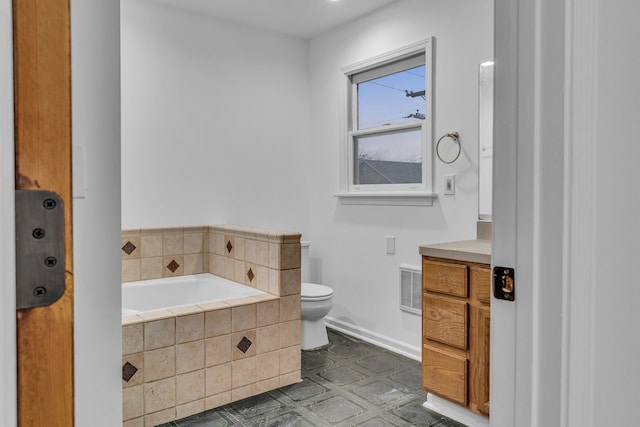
(456, 320)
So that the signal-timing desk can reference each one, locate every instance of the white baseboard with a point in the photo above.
(375, 338)
(455, 412)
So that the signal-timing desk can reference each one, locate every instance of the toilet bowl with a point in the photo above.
(316, 303)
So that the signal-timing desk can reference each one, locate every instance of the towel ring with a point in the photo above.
(456, 137)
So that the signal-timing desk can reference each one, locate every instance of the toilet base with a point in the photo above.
(314, 334)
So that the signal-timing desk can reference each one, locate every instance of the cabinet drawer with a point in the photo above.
(481, 280)
(444, 374)
(445, 278)
(445, 320)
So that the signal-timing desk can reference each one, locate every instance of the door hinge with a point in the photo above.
(40, 256)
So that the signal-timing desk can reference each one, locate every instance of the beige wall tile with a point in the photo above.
(151, 245)
(229, 268)
(262, 278)
(290, 282)
(186, 310)
(136, 422)
(132, 341)
(268, 339)
(239, 248)
(237, 338)
(243, 372)
(290, 378)
(218, 244)
(205, 262)
(137, 360)
(239, 272)
(159, 333)
(130, 319)
(159, 395)
(267, 385)
(220, 399)
(274, 281)
(268, 313)
(190, 387)
(218, 350)
(290, 307)
(193, 243)
(218, 379)
(130, 270)
(290, 333)
(216, 264)
(132, 402)
(160, 417)
(274, 255)
(243, 317)
(151, 268)
(188, 409)
(243, 392)
(134, 250)
(217, 322)
(250, 279)
(189, 328)
(262, 253)
(189, 357)
(267, 365)
(159, 364)
(250, 251)
(229, 246)
(151, 316)
(290, 256)
(193, 264)
(166, 262)
(289, 359)
(172, 243)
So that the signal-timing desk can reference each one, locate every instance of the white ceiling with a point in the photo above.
(297, 18)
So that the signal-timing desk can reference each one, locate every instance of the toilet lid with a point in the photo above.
(313, 290)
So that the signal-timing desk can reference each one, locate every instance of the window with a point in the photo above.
(387, 129)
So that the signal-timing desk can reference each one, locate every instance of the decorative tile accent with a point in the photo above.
(173, 266)
(244, 344)
(250, 275)
(229, 246)
(128, 371)
(129, 247)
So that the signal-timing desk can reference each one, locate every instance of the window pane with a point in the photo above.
(391, 99)
(390, 158)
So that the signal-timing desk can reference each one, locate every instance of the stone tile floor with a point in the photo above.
(348, 383)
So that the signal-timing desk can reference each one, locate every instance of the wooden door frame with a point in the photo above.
(42, 97)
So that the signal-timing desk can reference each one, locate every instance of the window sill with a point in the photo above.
(387, 198)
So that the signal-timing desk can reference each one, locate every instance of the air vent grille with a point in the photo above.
(410, 289)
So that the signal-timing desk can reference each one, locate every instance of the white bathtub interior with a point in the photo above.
(170, 292)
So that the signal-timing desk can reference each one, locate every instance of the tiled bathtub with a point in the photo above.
(181, 361)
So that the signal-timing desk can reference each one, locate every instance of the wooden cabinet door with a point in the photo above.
(483, 362)
(445, 375)
(445, 320)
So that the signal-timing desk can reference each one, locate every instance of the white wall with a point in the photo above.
(95, 72)
(348, 242)
(215, 122)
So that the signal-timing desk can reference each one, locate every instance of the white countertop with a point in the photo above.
(478, 250)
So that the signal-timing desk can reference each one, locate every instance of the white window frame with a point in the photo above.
(386, 194)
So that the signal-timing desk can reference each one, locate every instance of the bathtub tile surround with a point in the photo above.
(185, 360)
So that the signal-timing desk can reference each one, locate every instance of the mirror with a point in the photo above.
(485, 139)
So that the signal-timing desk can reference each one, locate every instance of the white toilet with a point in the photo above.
(317, 301)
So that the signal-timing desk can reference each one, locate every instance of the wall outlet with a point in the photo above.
(391, 245)
(449, 184)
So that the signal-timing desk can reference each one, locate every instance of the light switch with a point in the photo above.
(449, 184)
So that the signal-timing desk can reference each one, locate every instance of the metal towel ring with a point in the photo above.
(456, 137)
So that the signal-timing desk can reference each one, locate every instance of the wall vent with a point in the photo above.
(410, 289)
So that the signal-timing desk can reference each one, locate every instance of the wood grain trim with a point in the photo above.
(445, 320)
(445, 278)
(445, 375)
(42, 73)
